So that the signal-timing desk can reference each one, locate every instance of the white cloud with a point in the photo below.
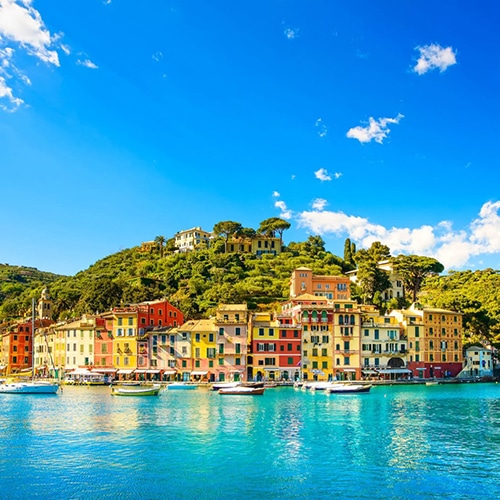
(7, 94)
(293, 177)
(157, 56)
(66, 49)
(323, 175)
(337, 175)
(87, 63)
(21, 23)
(319, 204)
(276, 194)
(322, 130)
(285, 212)
(375, 130)
(434, 56)
(452, 248)
(291, 33)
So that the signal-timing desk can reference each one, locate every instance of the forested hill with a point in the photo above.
(474, 293)
(196, 282)
(16, 280)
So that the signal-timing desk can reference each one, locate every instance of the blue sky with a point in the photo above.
(124, 120)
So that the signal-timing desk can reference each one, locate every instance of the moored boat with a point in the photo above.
(181, 386)
(243, 391)
(153, 390)
(348, 388)
(35, 387)
(224, 385)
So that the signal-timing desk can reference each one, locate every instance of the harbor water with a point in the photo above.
(396, 442)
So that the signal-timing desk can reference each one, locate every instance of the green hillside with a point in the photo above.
(196, 282)
(19, 281)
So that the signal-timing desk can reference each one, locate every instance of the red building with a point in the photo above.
(288, 348)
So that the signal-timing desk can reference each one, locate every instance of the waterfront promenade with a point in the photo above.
(396, 442)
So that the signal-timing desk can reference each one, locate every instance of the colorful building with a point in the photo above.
(434, 341)
(231, 323)
(384, 345)
(303, 281)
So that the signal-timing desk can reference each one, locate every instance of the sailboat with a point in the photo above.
(33, 386)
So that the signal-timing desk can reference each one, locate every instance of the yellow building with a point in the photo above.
(384, 345)
(125, 340)
(257, 245)
(203, 350)
(263, 360)
(434, 341)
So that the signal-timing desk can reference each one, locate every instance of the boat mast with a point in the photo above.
(33, 339)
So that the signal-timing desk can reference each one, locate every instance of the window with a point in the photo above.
(210, 337)
(271, 332)
(197, 352)
(197, 337)
(120, 321)
(261, 332)
(237, 331)
(366, 333)
(237, 348)
(346, 361)
(130, 321)
(221, 348)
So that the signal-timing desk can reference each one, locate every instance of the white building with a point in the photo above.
(478, 362)
(189, 239)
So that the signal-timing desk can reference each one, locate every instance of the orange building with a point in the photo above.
(303, 281)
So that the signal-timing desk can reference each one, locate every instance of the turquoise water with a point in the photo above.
(410, 442)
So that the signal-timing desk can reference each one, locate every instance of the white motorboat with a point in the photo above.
(243, 391)
(348, 388)
(224, 385)
(35, 387)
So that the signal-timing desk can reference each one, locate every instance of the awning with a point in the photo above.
(169, 372)
(396, 370)
(349, 370)
(152, 371)
(140, 371)
(126, 372)
(370, 372)
(236, 371)
(198, 373)
(437, 368)
(317, 372)
(422, 369)
(104, 370)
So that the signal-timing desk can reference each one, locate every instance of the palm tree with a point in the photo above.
(160, 241)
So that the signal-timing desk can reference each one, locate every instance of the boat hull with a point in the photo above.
(181, 387)
(28, 388)
(136, 391)
(243, 391)
(349, 389)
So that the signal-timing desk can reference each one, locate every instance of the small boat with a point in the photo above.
(432, 382)
(36, 387)
(181, 386)
(224, 385)
(253, 384)
(153, 390)
(348, 388)
(243, 391)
